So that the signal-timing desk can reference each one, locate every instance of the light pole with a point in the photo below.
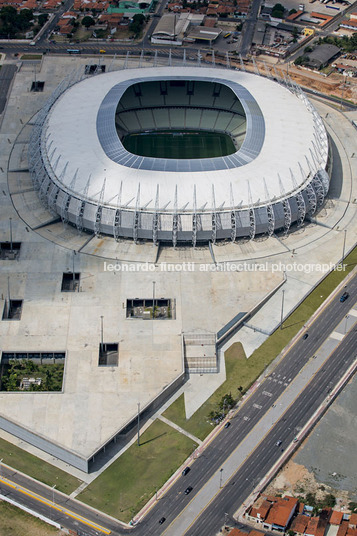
(10, 235)
(138, 424)
(346, 318)
(74, 277)
(220, 477)
(101, 334)
(344, 246)
(250, 481)
(282, 310)
(9, 297)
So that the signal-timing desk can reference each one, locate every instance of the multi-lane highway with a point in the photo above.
(267, 453)
(263, 455)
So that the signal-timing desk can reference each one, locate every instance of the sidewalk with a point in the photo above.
(219, 479)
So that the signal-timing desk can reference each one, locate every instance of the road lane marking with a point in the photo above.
(298, 395)
(47, 502)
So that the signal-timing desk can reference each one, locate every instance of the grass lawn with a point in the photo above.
(126, 486)
(178, 144)
(31, 56)
(37, 468)
(197, 425)
(243, 372)
(15, 522)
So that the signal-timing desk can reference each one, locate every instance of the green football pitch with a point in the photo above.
(178, 144)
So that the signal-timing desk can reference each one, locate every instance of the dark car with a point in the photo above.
(185, 471)
(305, 336)
(188, 490)
(344, 297)
(162, 520)
(227, 425)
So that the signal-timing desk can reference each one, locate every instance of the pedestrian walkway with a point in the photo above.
(179, 429)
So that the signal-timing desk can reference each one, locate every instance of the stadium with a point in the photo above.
(180, 155)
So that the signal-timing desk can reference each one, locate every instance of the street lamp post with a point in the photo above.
(101, 334)
(8, 297)
(220, 477)
(10, 219)
(74, 276)
(282, 310)
(346, 319)
(344, 246)
(138, 424)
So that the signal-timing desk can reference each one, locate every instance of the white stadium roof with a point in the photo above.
(284, 150)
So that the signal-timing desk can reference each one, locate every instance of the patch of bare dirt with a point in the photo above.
(295, 480)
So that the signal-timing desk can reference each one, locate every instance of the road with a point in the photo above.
(267, 453)
(248, 28)
(213, 458)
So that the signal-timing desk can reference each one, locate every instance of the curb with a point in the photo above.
(303, 433)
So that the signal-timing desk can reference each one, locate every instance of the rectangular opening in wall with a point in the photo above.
(9, 250)
(150, 309)
(37, 86)
(93, 69)
(12, 310)
(32, 371)
(70, 282)
(108, 354)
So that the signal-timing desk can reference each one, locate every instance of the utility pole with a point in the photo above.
(282, 310)
(138, 424)
(8, 297)
(344, 246)
(74, 277)
(10, 235)
(101, 335)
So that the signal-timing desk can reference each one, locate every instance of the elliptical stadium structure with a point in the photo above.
(278, 176)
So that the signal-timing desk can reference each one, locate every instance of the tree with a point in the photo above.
(137, 24)
(226, 403)
(278, 11)
(8, 15)
(329, 500)
(88, 21)
(42, 19)
(353, 507)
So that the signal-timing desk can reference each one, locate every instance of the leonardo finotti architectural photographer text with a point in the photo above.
(224, 267)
